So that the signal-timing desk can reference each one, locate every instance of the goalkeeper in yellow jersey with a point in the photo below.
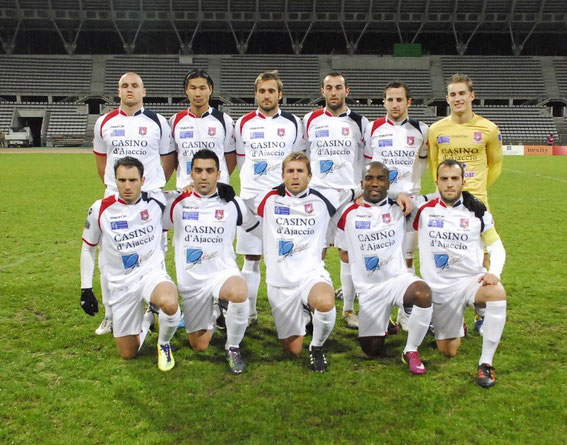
(468, 138)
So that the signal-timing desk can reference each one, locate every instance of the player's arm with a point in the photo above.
(167, 150)
(230, 159)
(99, 149)
(422, 154)
(169, 163)
(100, 165)
(343, 255)
(495, 249)
(368, 151)
(494, 156)
(91, 237)
(433, 154)
(239, 145)
(229, 144)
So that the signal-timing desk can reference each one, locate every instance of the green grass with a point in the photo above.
(61, 383)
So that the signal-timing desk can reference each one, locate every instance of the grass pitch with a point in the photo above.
(61, 383)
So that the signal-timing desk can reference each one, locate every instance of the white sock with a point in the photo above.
(167, 325)
(216, 312)
(348, 288)
(236, 323)
(418, 323)
(251, 274)
(494, 321)
(323, 324)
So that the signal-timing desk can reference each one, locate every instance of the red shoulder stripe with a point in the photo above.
(105, 204)
(342, 220)
(314, 114)
(427, 204)
(178, 117)
(177, 201)
(107, 118)
(263, 203)
(377, 123)
(246, 118)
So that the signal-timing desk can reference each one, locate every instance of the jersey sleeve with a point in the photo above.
(99, 147)
(300, 140)
(489, 234)
(424, 149)
(433, 152)
(494, 155)
(172, 141)
(368, 151)
(249, 220)
(170, 199)
(164, 142)
(238, 143)
(229, 143)
(92, 232)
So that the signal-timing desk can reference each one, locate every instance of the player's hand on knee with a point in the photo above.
(89, 302)
(488, 279)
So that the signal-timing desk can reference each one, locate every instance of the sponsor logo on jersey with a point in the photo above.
(193, 257)
(385, 142)
(212, 131)
(260, 167)
(143, 131)
(393, 176)
(257, 135)
(435, 223)
(362, 225)
(346, 131)
(443, 139)
(117, 225)
(308, 208)
(410, 140)
(219, 214)
(285, 249)
(464, 223)
(117, 133)
(189, 164)
(130, 261)
(371, 263)
(386, 218)
(87, 224)
(441, 260)
(470, 174)
(326, 167)
(478, 135)
(281, 132)
(145, 215)
(186, 134)
(190, 215)
(279, 210)
(322, 133)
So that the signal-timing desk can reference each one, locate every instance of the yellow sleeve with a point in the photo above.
(494, 156)
(490, 236)
(433, 153)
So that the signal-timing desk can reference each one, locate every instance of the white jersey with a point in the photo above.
(214, 130)
(144, 136)
(398, 145)
(336, 145)
(372, 234)
(294, 229)
(204, 231)
(129, 237)
(450, 243)
(262, 143)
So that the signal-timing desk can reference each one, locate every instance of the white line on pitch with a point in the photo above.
(535, 174)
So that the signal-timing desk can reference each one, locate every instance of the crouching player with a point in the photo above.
(204, 230)
(128, 226)
(370, 239)
(453, 231)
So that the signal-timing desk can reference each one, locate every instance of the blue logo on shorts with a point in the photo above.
(441, 260)
(372, 263)
(260, 167)
(393, 176)
(193, 257)
(326, 166)
(285, 249)
(130, 261)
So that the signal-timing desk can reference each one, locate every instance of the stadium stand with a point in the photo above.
(560, 66)
(370, 83)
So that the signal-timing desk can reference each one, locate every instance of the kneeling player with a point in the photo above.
(128, 226)
(204, 230)
(370, 240)
(453, 231)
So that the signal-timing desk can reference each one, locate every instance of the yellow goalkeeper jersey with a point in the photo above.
(476, 143)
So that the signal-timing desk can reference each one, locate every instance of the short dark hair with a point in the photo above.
(205, 153)
(195, 74)
(375, 164)
(269, 75)
(451, 163)
(129, 162)
(398, 84)
(334, 73)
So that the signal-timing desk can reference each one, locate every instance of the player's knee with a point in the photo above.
(371, 346)
(169, 306)
(199, 344)
(128, 354)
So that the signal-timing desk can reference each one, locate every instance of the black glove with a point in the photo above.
(88, 301)
(280, 189)
(225, 191)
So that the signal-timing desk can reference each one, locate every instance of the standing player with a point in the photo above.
(128, 228)
(295, 222)
(453, 231)
(336, 143)
(467, 138)
(205, 227)
(131, 130)
(263, 139)
(370, 239)
(198, 127)
(400, 143)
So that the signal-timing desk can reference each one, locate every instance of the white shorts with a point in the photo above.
(449, 307)
(376, 303)
(250, 243)
(287, 304)
(197, 303)
(128, 302)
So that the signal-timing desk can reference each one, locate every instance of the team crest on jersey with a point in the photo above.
(281, 132)
(145, 215)
(285, 249)
(308, 208)
(478, 136)
(410, 140)
(386, 218)
(372, 264)
(219, 214)
(346, 131)
(464, 223)
(143, 131)
(212, 131)
(193, 257)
